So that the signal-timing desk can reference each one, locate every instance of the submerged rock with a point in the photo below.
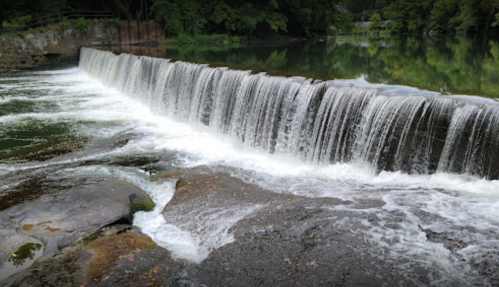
(56, 220)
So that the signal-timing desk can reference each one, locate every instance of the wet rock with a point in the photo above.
(57, 219)
(453, 244)
(115, 256)
(143, 267)
(279, 239)
(32, 186)
(45, 151)
(55, 148)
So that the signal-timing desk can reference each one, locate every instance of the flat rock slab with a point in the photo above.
(281, 239)
(115, 256)
(56, 220)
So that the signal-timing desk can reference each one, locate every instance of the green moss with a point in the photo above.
(141, 205)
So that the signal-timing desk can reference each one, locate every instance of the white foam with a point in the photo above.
(440, 202)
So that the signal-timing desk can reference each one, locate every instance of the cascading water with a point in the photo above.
(398, 158)
(319, 122)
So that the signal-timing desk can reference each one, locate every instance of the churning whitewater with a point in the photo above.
(321, 122)
(430, 159)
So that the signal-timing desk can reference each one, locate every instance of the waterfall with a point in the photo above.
(315, 121)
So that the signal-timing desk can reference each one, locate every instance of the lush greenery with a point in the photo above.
(261, 17)
(444, 15)
(215, 39)
(31, 12)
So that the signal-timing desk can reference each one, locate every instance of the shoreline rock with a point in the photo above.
(56, 220)
(247, 236)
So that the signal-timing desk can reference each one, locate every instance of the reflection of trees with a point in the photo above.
(458, 65)
(25, 252)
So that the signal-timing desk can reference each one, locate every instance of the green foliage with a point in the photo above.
(358, 30)
(18, 21)
(22, 35)
(80, 25)
(180, 16)
(443, 15)
(96, 21)
(186, 39)
(20, 13)
(40, 29)
(375, 20)
(108, 22)
(65, 25)
(27, 251)
(259, 17)
(245, 18)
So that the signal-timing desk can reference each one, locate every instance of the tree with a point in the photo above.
(375, 20)
(443, 14)
(316, 17)
(180, 16)
(243, 18)
(258, 17)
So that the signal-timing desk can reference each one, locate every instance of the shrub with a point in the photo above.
(80, 24)
(110, 22)
(22, 35)
(40, 29)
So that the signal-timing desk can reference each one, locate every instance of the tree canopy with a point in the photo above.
(443, 15)
(296, 17)
(303, 18)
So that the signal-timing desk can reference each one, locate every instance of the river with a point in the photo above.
(350, 139)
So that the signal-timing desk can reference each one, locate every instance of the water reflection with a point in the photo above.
(26, 252)
(23, 258)
(455, 65)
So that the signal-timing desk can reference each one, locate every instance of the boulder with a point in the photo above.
(57, 219)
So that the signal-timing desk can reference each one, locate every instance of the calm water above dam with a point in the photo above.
(453, 64)
(431, 159)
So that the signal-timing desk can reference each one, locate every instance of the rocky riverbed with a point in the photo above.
(274, 239)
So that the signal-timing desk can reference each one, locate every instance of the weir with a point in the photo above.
(322, 122)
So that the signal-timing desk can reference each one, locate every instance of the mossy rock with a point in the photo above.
(137, 204)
